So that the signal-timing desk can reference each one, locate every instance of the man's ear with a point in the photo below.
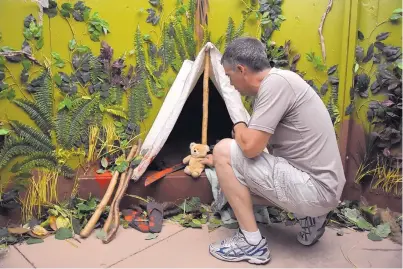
(240, 68)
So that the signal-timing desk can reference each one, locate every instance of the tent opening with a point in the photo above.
(188, 127)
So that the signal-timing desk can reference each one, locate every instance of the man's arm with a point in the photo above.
(251, 141)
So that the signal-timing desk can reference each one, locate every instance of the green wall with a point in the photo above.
(302, 19)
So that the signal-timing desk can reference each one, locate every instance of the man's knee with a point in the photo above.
(222, 150)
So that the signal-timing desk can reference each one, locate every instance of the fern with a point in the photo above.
(138, 45)
(97, 73)
(36, 160)
(32, 136)
(12, 148)
(81, 112)
(191, 16)
(67, 171)
(219, 42)
(229, 34)
(168, 47)
(132, 111)
(179, 43)
(241, 28)
(42, 160)
(62, 124)
(189, 41)
(36, 114)
(117, 111)
(43, 96)
(206, 35)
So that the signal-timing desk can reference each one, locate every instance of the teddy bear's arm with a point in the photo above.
(187, 159)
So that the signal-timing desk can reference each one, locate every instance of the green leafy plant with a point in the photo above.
(316, 61)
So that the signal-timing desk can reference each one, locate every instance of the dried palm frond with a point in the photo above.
(202, 8)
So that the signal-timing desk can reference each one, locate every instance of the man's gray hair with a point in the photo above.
(247, 51)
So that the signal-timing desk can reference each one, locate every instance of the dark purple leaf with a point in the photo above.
(24, 76)
(333, 80)
(370, 115)
(360, 35)
(391, 114)
(382, 36)
(387, 103)
(106, 51)
(361, 82)
(332, 70)
(377, 58)
(370, 54)
(349, 109)
(152, 18)
(28, 19)
(26, 47)
(296, 58)
(375, 88)
(359, 53)
(373, 105)
(324, 88)
(398, 91)
(393, 86)
(379, 45)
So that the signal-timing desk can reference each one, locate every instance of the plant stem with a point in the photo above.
(376, 26)
(15, 81)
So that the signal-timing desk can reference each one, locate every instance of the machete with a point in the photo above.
(160, 174)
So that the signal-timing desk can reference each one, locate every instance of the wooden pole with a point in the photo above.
(205, 96)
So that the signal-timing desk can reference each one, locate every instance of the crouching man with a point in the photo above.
(302, 173)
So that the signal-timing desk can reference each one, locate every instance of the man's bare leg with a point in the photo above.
(237, 195)
(247, 244)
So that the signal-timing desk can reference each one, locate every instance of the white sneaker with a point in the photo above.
(236, 249)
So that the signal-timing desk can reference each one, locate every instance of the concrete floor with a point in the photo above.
(179, 247)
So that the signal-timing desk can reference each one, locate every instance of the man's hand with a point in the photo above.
(209, 160)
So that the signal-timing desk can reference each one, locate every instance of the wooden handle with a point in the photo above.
(107, 196)
(205, 96)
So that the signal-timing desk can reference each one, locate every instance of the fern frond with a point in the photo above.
(44, 96)
(229, 34)
(190, 42)
(206, 35)
(219, 42)
(241, 28)
(32, 136)
(138, 45)
(117, 111)
(191, 16)
(168, 47)
(67, 171)
(97, 73)
(62, 125)
(179, 40)
(36, 160)
(12, 148)
(36, 114)
(80, 113)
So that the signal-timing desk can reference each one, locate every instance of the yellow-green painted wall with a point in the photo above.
(301, 27)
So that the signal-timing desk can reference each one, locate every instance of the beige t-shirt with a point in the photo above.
(302, 130)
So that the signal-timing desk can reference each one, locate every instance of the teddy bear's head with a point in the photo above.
(199, 150)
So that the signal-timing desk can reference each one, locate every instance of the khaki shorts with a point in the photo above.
(277, 181)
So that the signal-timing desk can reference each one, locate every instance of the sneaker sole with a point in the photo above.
(314, 241)
(250, 260)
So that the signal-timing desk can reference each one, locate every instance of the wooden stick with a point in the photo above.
(101, 207)
(205, 96)
(118, 197)
(322, 39)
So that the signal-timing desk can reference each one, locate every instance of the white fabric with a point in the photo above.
(180, 90)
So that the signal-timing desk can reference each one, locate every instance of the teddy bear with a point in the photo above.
(197, 153)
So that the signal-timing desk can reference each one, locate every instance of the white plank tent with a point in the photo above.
(176, 97)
